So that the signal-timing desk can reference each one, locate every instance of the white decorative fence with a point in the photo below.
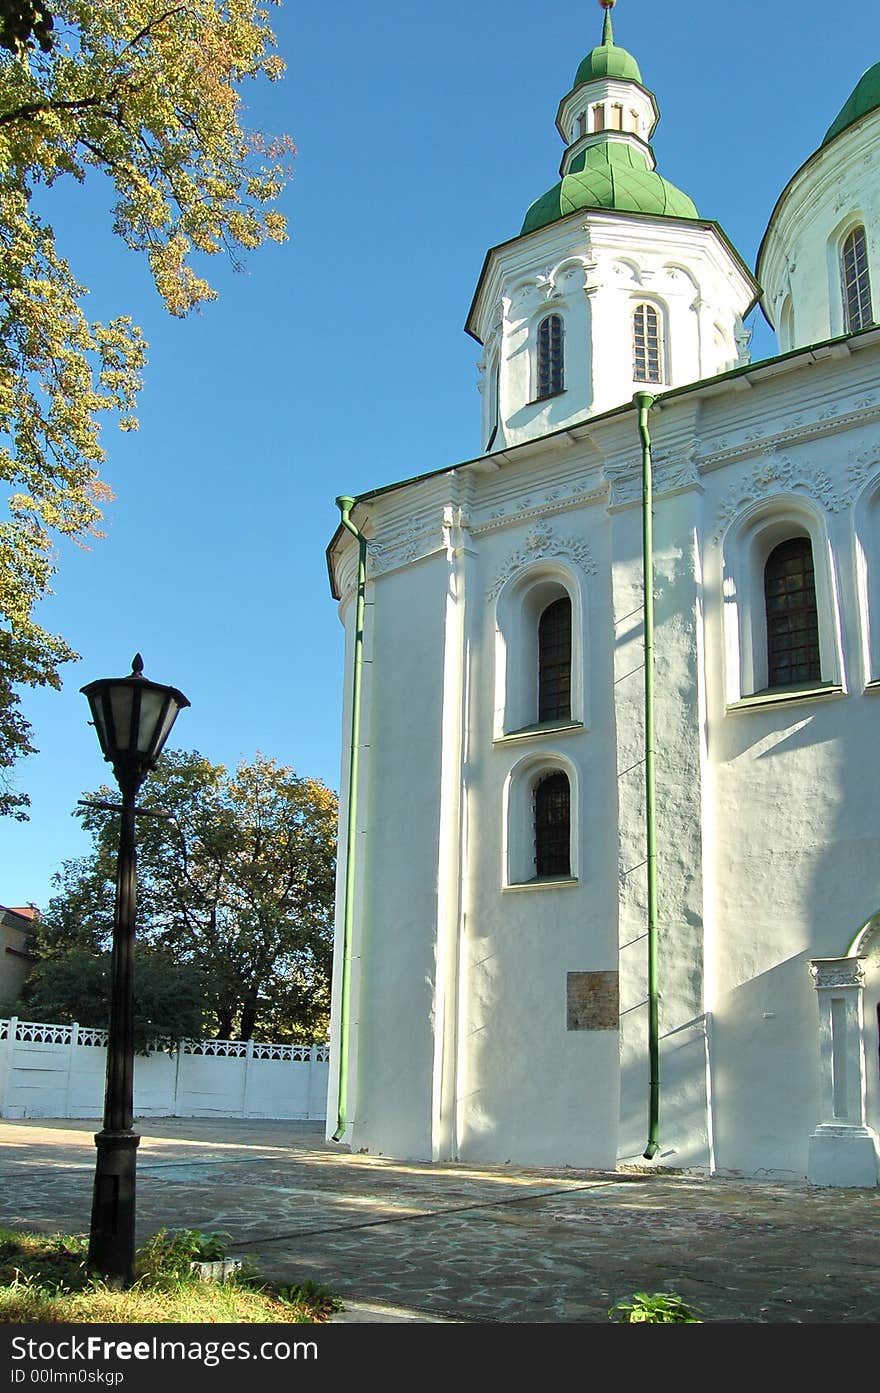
(58, 1071)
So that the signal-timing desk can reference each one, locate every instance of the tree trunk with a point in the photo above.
(249, 1009)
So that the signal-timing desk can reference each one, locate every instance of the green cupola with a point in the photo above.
(864, 99)
(608, 60)
(607, 120)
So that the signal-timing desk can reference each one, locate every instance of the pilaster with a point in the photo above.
(843, 1150)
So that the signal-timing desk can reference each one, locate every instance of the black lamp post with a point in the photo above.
(133, 718)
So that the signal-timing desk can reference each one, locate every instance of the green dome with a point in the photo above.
(610, 175)
(608, 61)
(865, 98)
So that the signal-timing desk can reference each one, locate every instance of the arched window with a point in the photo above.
(492, 379)
(856, 280)
(781, 612)
(554, 662)
(786, 325)
(647, 344)
(551, 376)
(867, 514)
(792, 615)
(553, 825)
(541, 643)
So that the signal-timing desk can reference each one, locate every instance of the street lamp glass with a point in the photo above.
(133, 718)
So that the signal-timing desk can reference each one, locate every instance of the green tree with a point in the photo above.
(147, 92)
(235, 879)
(24, 23)
(170, 998)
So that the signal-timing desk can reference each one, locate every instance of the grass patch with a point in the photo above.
(46, 1280)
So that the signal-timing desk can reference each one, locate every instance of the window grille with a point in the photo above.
(856, 281)
(647, 344)
(553, 826)
(792, 617)
(551, 376)
(554, 662)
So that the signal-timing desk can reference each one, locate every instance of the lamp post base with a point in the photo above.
(111, 1240)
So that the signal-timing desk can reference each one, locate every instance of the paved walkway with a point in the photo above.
(405, 1241)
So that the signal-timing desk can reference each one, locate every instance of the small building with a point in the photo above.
(544, 954)
(16, 929)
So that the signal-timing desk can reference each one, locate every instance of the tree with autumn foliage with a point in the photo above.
(148, 93)
(235, 882)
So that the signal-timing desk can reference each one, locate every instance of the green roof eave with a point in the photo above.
(588, 425)
(762, 364)
(664, 218)
(816, 155)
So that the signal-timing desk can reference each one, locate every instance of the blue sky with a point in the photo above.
(338, 362)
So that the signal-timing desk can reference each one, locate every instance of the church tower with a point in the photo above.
(612, 796)
(614, 284)
(824, 235)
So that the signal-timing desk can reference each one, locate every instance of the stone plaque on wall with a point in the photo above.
(593, 1000)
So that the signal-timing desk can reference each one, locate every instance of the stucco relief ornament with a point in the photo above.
(863, 464)
(778, 474)
(838, 972)
(670, 470)
(404, 544)
(676, 470)
(743, 338)
(625, 483)
(543, 541)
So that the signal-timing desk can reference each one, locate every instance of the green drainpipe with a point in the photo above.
(644, 401)
(345, 506)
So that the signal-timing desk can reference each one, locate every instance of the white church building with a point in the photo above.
(609, 873)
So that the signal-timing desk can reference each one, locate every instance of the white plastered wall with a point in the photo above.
(767, 815)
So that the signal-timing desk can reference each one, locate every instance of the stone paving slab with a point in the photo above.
(407, 1241)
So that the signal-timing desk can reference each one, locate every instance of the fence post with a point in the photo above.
(174, 1112)
(71, 1046)
(11, 1033)
(310, 1097)
(247, 1069)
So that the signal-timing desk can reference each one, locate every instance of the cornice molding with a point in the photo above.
(560, 499)
(829, 421)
